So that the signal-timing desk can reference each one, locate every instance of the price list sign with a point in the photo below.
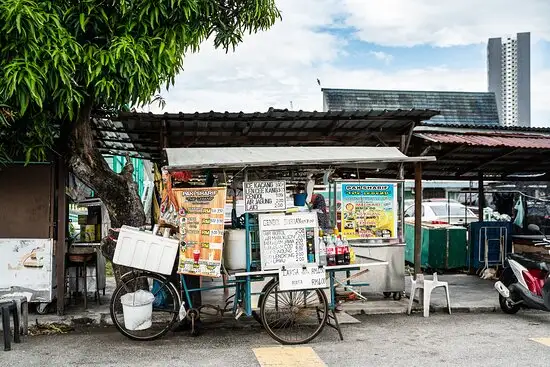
(284, 238)
(264, 196)
(201, 226)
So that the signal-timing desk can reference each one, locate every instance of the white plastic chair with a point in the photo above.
(428, 286)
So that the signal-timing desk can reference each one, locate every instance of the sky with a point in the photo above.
(363, 44)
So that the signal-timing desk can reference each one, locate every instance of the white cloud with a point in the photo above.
(281, 66)
(382, 56)
(445, 22)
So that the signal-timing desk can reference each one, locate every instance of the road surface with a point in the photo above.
(485, 340)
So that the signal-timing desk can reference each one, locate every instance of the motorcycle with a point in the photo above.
(525, 282)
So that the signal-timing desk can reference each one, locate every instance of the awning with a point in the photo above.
(197, 158)
(510, 140)
(146, 134)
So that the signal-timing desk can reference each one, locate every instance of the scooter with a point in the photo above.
(525, 282)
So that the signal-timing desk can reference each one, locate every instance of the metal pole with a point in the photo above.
(481, 196)
(417, 218)
(60, 246)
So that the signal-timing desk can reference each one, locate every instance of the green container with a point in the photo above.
(443, 246)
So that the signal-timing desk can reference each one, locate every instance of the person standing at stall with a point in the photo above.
(318, 204)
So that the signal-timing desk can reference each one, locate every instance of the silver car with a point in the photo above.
(444, 212)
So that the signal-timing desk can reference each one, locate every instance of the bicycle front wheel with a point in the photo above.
(294, 317)
(165, 306)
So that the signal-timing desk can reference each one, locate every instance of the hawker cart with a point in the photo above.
(271, 257)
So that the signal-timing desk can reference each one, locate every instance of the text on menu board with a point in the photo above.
(284, 238)
(296, 278)
(264, 196)
(369, 210)
(201, 226)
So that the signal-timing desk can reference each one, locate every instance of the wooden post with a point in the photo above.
(481, 196)
(417, 219)
(61, 234)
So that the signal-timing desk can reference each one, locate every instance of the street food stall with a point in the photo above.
(370, 216)
(283, 258)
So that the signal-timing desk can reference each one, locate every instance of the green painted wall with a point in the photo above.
(117, 163)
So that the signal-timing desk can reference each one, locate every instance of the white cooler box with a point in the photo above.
(146, 251)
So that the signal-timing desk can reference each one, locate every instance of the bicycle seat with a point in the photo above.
(529, 263)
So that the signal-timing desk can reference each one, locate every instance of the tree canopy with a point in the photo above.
(58, 57)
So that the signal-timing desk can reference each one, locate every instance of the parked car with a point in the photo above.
(443, 211)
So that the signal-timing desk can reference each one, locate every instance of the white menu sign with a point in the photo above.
(283, 238)
(264, 196)
(296, 278)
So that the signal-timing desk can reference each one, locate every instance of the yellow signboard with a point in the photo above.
(369, 210)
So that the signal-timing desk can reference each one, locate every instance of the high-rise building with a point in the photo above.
(509, 77)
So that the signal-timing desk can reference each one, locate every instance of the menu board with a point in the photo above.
(307, 277)
(201, 225)
(369, 210)
(284, 239)
(264, 196)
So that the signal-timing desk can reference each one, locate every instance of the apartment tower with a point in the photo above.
(509, 77)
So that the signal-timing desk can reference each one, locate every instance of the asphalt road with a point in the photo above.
(394, 340)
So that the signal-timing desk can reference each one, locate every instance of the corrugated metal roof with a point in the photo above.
(194, 158)
(494, 140)
(147, 133)
(446, 127)
(462, 108)
(285, 114)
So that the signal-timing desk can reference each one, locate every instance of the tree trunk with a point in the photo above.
(118, 192)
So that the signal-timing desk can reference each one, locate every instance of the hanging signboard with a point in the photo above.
(369, 210)
(201, 222)
(264, 196)
(286, 239)
(307, 277)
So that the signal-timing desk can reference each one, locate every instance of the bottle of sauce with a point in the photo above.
(310, 251)
(347, 251)
(331, 252)
(322, 252)
(339, 251)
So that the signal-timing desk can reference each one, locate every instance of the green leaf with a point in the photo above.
(161, 48)
(28, 155)
(83, 22)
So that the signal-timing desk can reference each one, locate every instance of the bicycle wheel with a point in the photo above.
(165, 306)
(294, 317)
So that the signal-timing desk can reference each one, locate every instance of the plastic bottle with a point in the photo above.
(340, 249)
(322, 252)
(331, 252)
(310, 252)
(347, 251)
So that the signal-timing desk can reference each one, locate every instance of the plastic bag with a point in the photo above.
(138, 298)
(160, 295)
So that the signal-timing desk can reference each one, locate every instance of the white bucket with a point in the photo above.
(234, 257)
(137, 308)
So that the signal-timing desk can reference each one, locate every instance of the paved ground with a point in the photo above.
(491, 339)
(468, 294)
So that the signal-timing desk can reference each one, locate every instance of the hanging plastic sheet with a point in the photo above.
(520, 213)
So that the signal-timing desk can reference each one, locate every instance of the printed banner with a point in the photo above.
(369, 210)
(201, 224)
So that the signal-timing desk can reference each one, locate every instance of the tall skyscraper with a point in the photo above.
(509, 77)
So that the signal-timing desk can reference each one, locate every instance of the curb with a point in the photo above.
(416, 309)
(103, 319)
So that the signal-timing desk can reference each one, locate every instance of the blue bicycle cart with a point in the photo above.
(293, 299)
